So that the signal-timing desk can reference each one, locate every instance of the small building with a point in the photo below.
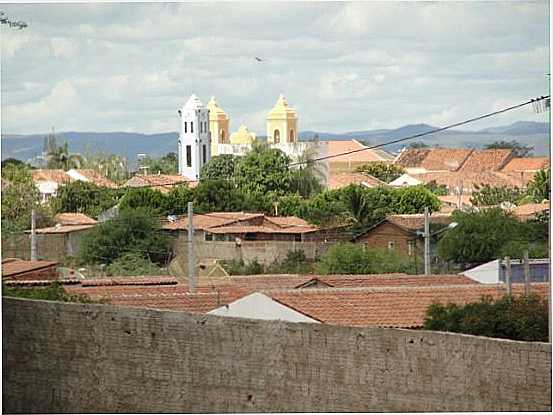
(161, 182)
(22, 270)
(48, 181)
(398, 233)
(495, 271)
(91, 176)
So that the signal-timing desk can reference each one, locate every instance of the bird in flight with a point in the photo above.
(259, 59)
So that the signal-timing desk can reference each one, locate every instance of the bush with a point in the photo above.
(294, 263)
(386, 172)
(516, 318)
(349, 258)
(239, 267)
(132, 264)
(52, 292)
(133, 231)
(84, 198)
(145, 197)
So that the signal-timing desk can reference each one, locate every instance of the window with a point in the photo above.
(222, 136)
(204, 154)
(185, 127)
(208, 236)
(188, 156)
(410, 248)
(291, 136)
(250, 236)
(276, 136)
(391, 245)
(191, 126)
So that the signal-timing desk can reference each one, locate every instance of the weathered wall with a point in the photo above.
(52, 246)
(61, 357)
(266, 252)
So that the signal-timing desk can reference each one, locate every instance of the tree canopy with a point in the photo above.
(386, 172)
(519, 150)
(220, 167)
(84, 197)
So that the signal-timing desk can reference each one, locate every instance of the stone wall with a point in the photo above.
(61, 357)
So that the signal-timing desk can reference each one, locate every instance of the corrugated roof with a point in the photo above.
(12, 268)
(526, 164)
(402, 307)
(74, 219)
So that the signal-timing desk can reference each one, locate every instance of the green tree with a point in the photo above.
(414, 199)
(14, 162)
(517, 318)
(217, 196)
(61, 158)
(176, 201)
(84, 197)
(132, 264)
(143, 197)
(436, 189)
(418, 145)
(386, 172)
(308, 176)
(290, 205)
(519, 150)
(487, 195)
(328, 208)
(112, 166)
(349, 258)
(540, 186)
(52, 292)
(263, 170)
(168, 164)
(220, 167)
(480, 236)
(132, 231)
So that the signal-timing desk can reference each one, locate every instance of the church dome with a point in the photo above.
(215, 111)
(242, 136)
(282, 110)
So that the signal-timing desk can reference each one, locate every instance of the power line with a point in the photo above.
(448, 127)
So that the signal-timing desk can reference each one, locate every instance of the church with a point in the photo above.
(204, 133)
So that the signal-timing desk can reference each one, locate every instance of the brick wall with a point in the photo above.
(61, 357)
(385, 233)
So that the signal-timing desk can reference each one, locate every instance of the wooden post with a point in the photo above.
(508, 275)
(191, 260)
(34, 255)
(426, 242)
(526, 273)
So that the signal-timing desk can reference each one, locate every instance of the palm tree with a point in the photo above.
(309, 175)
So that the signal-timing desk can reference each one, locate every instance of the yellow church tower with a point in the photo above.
(218, 125)
(282, 123)
(242, 136)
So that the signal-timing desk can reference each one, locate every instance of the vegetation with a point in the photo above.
(134, 231)
(540, 186)
(491, 196)
(217, 195)
(132, 263)
(349, 258)
(308, 175)
(517, 318)
(143, 197)
(519, 150)
(52, 292)
(386, 172)
(84, 197)
(294, 263)
(220, 167)
(490, 234)
(168, 164)
(112, 166)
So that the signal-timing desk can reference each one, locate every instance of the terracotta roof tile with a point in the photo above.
(96, 178)
(161, 182)
(339, 180)
(261, 229)
(439, 159)
(391, 280)
(454, 199)
(286, 221)
(50, 175)
(403, 307)
(415, 222)
(12, 268)
(342, 146)
(209, 220)
(74, 219)
(412, 157)
(62, 229)
(122, 281)
(472, 179)
(526, 164)
(530, 209)
(487, 160)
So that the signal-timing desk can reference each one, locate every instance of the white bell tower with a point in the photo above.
(195, 139)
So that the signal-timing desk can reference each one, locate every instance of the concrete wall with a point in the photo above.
(266, 252)
(61, 357)
(51, 246)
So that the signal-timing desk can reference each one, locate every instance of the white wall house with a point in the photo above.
(405, 180)
(194, 145)
(262, 307)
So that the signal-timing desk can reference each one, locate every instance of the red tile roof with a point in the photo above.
(97, 179)
(530, 209)
(412, 157)
(445, 159)
(50, 175)
(415, 222)
(161, 182)
(487, 160)
(121, 281)
(209, 220)
(454, 199)
(285, 221)
(342, 146)
(13, 267)
(472, 179)
(526, 164)
(62, 229)
(339, 180)
(391, 280)
(74, 219)
(262, 229)
(403, 307)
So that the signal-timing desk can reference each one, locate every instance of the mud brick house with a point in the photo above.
(20, 270)
(399, 233)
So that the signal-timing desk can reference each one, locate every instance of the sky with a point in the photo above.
(343, 66)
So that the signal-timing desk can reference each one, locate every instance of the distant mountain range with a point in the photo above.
(27, 147)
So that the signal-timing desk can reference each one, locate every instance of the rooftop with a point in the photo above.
(50, 175)
(74, 219)
(13, 267)
(343, 146)
(339, 180)
(161, 182)
(487, 160)
(93, 177)
(518, 164)
(415, 222)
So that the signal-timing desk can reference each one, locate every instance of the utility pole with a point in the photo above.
(427, 270)
(526, 273)
(508, 275)
(191, 261)
(33, 236)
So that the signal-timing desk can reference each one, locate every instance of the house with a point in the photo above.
(162, 182)
(91, 176)
(495, 271)
(487, 160)
(526, 164)
(530, 210)
(339, 180)
(48, 181)
(400, 306)
(399, 232)
(74, 219)
(21, 270)
(424, 160)
(360, 155)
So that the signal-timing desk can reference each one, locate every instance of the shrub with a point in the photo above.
(132, 263)
(52, 292)
(516, 318)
